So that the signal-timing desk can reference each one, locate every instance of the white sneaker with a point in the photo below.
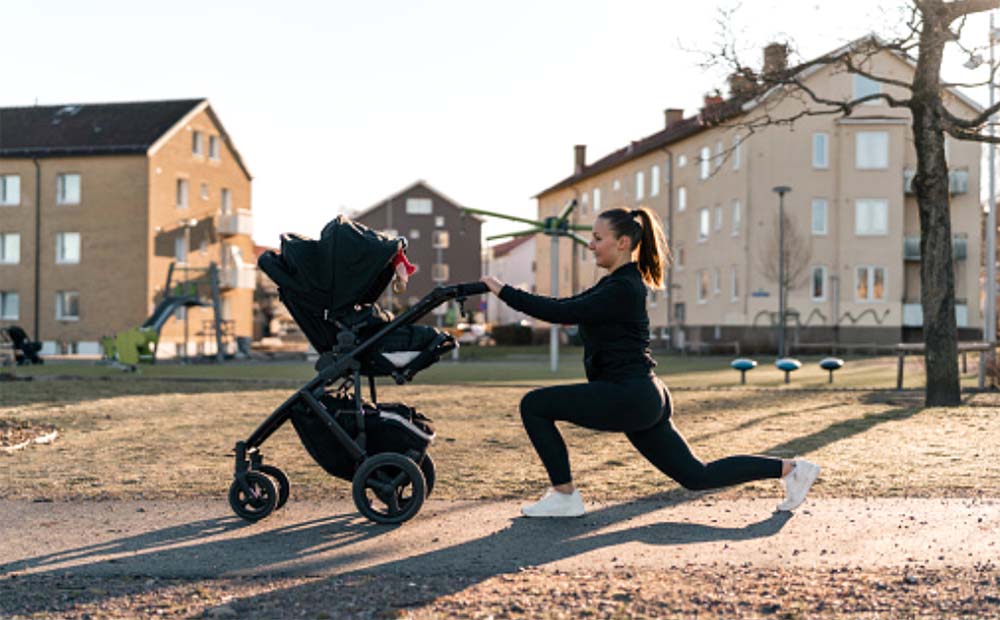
(797, 484)
(556, 504)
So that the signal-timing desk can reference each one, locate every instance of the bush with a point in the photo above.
(512, 334)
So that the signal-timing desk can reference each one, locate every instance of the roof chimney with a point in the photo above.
(579, 158)
(742, 84)
(712, 98)
(672, 116)
(775, 59)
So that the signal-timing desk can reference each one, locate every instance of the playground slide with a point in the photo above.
(165, 309)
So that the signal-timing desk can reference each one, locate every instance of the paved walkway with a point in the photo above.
(203, 539)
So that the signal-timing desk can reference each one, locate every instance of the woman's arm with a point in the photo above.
(610, 300)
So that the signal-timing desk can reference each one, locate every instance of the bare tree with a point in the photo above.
(929, 27)
(798, 253)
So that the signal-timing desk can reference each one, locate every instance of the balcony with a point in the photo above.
(958, 182)
(238, 277)
(239, 222)
(959, 247)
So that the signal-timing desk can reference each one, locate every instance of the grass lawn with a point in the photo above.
(152, 436)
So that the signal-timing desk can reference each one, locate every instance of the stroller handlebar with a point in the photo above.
(469, 288)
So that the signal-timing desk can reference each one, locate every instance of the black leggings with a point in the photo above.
(640, 407)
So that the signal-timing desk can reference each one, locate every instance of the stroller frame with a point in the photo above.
(258, 489)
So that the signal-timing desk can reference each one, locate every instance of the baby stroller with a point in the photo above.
(330, 287)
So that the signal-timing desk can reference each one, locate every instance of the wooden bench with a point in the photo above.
(917, 348)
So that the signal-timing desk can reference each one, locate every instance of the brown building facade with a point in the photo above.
(97, 202)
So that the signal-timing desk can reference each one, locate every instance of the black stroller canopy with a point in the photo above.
(349, 264)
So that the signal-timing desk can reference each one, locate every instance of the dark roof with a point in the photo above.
(88, 129)
(502, 249)
(706, 118)
(419, 184)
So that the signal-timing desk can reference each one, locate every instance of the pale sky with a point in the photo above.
(336, 105)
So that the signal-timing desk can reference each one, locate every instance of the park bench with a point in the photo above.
(917, 348)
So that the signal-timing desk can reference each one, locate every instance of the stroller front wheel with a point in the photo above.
(281, 481)
(389, 488)
(257, 500)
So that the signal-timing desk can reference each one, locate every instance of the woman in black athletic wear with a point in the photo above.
(622, 393)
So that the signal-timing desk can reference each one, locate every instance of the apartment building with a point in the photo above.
(852, 215)
(512, 262)
(99, 201)
(443, 242)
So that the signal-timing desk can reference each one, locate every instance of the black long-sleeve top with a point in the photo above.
(614, 325)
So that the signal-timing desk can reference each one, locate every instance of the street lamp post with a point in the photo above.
(781, 191)
(990, 331)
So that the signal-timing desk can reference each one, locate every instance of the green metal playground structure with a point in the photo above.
(200, 287)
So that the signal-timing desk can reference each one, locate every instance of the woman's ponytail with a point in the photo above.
(654, 255)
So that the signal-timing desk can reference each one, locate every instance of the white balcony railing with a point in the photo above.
(913, 315)
(958, 181)
(241, 276)
(238, 222)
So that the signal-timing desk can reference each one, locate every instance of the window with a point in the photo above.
(817, 286)
(654, 181)
(640, 185)
(597, 200)
(180, 250)
(680, 257)
(419, 206)
(705, 163)
(718, 156)
(67, 248)
(819, 216)
(734, 285)
(703, 224)
(821, 151)
(439, 221)
(213, 147)
(414, 233)
(197, 144)
(864, 86)
(616, 185)
(870, 283)
(392, 233)
(702, 286)
(737, 218)
(716, 276)
(682, 161)
(68, 189)
(440, 240)
(227, 200)
(682, 198)
(182, 194)
(204, 191)
(718, 218)
(737, 152)
(871, 150)
(871, 217)
(584, 203)
(10, 190)
(10, 248)
(652, 299)
(67, 306)
(9, 306)
(439, 272)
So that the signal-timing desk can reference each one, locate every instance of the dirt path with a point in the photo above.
(883, 558)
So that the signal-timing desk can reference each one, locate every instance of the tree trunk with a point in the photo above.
(937, 274)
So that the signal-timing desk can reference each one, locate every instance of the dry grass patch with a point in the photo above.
(145, 439)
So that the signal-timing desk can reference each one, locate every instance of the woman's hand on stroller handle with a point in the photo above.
(492, 283)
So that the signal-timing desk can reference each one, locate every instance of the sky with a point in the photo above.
(337, 105)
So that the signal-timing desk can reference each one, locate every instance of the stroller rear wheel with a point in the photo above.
(281, 481)
(389, 488)
(256, 501)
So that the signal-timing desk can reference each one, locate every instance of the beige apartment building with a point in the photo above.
(98, 202)
(852, 213)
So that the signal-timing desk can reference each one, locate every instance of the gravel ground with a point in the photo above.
(683, 591)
